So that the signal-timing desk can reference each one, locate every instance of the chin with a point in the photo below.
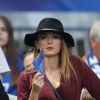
(50, 54)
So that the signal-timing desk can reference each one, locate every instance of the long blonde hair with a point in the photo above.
(66, 66)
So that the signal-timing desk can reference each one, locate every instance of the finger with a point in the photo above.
(41, 83)
(38, 83)
(34, 81)
(37, 75)
(40, 78)
(37, 78)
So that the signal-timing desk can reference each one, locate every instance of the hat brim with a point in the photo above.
(30, 38)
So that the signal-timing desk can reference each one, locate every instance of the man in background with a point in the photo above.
(92, 58)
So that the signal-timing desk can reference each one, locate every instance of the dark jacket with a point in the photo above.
(3, 94)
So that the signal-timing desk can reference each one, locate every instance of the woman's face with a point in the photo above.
(3, 34)
(50, 43)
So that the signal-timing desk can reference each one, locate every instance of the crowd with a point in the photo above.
(66, 77)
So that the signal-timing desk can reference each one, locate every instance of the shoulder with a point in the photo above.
(24, 84)
(22, 78)
(25, 79)
(80, 66)
(26, 74)
(78, 63)
(75, 59)
(23, 75)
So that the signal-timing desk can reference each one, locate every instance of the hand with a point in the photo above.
(86, 95)
(37, 82)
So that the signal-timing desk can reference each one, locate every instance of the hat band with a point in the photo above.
(46, 29)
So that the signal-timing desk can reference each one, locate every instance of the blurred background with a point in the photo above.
(77, 17)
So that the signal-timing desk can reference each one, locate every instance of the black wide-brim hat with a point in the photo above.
(49, 25)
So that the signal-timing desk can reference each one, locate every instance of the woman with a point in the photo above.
(65, 73)
(15, 61)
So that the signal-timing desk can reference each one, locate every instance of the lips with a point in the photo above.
(49, 48)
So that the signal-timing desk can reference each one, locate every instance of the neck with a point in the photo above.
(51, 63)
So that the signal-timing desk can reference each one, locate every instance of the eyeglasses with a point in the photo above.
(3, 29)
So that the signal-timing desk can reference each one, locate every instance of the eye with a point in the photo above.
(43, 37)
(4, 29)
(56, 36)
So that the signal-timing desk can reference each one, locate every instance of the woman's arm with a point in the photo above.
(37, 84)
(33, 95)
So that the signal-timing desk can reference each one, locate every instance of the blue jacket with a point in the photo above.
(6, 78)
(92, 62)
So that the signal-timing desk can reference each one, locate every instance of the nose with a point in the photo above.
(49, 40)
(0, 31)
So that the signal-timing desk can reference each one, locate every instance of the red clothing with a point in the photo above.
(71, 91)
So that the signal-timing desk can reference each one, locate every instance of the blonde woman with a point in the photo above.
(67, 74)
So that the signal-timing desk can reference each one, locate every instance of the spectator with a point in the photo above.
(92, 58)
(65, 75)
(15, 61)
